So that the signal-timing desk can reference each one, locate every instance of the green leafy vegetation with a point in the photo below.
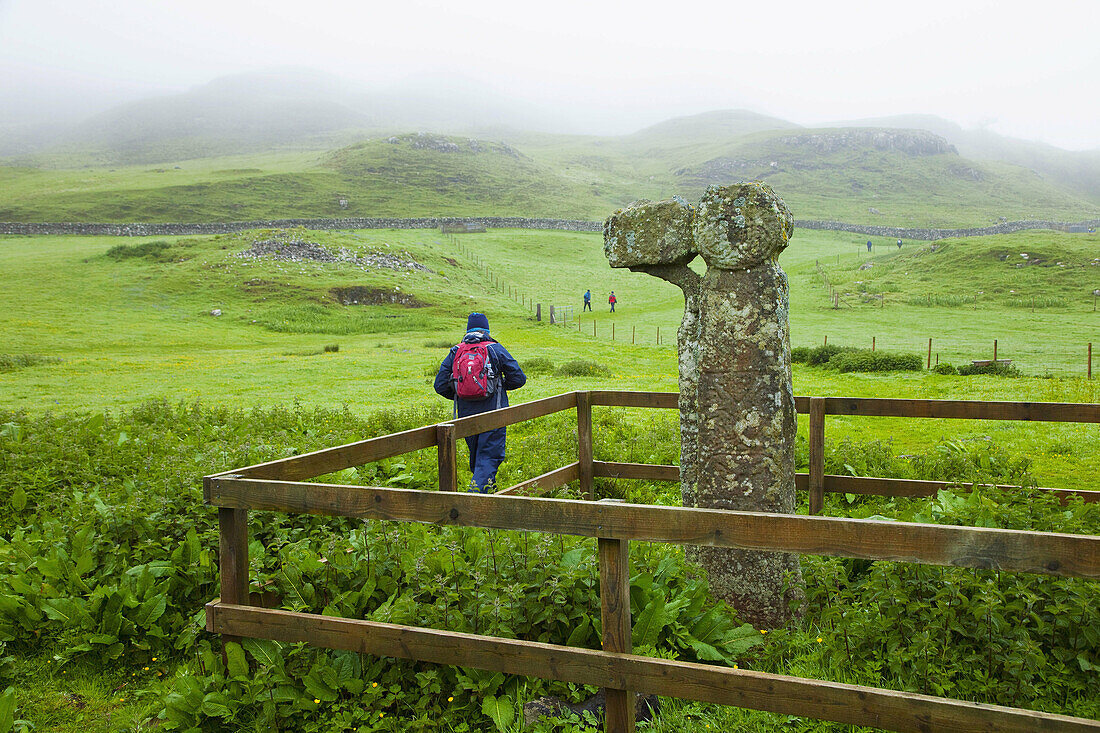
(108, 555)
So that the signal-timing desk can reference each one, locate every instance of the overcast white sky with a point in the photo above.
(1026, 69)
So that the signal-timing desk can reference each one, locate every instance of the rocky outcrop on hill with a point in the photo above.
(446, 144)
(909, 142)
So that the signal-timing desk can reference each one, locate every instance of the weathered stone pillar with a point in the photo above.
(737, 416)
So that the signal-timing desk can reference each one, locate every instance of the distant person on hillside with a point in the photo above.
(612, 300)
(587, 301)
(868, 245)
(899, 244)
(477, 374)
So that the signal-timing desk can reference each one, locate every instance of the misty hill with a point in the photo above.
(297, 110)
(1078, 171)
(859, 175)
(237, 114)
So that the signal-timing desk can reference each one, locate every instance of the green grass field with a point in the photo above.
(122, 388)
(133, 329)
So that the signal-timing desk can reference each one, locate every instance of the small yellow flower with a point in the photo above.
(154, 659)
(450, 699)
(763, 631)
(736, 667)
(145, 668)
(374, 684)
(819, 640)
(380, 714)
(316, 700)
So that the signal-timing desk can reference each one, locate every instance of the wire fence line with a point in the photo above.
(1063, 359)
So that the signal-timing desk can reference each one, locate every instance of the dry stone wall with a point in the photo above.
(491, 222)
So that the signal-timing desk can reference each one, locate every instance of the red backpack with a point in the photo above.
(472, 372)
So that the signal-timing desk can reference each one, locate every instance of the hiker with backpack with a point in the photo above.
(477, 374)
(612, 300)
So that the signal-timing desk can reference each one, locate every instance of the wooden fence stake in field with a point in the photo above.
(632, 333)
(1090, 360)
(826, 340)
(994, 352)
(872, 343)
(538, 312)
(739, 456)
(930, 353)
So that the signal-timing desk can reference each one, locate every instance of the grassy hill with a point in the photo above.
(1041, 270)
(876, 177)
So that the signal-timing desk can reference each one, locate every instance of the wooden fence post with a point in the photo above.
(930, 353)
(615, 615)
(872, 343)
(994, 353)
(447, 456)
(551, 315)
(612, 330)
(593, 326)
(538, 311)
(658, 335)
(1090, 360)
(233, 560)
(826, 340)
(632, 332)
(584, 445)
(817, 454)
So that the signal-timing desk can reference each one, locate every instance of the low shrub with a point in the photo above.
(582, 368)
(818, 355)
(996, 369)
(439, 344)
(12, 362)
(156, 251)
(538, 365)
(865, 360)
(945, 368)
(331, 348)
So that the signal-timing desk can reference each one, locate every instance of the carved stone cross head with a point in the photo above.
(735, 228)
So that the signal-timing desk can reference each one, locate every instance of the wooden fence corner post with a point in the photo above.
(615, 614)
(447, 456)
(233, 559)
(584, 444)
(817, 454)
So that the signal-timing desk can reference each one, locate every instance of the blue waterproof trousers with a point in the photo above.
(486, 455)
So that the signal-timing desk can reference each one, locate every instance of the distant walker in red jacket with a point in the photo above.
(612, 300)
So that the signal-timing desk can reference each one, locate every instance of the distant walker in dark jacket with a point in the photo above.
(486, 449)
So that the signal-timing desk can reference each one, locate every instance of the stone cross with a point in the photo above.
(737, 415)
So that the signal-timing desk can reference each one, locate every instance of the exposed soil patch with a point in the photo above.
(360, 295)
(289, 247)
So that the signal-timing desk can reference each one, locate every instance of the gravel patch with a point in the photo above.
(291, 248)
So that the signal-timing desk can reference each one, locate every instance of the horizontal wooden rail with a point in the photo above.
(854, 704)
(834, 484)
(887, 407)
(614, 398)
(549, 480)
(474, 424)
(327, 460)
(960, 409)
(977, 547)
(652, 471)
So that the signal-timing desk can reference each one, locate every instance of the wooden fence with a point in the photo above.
(278, 486)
